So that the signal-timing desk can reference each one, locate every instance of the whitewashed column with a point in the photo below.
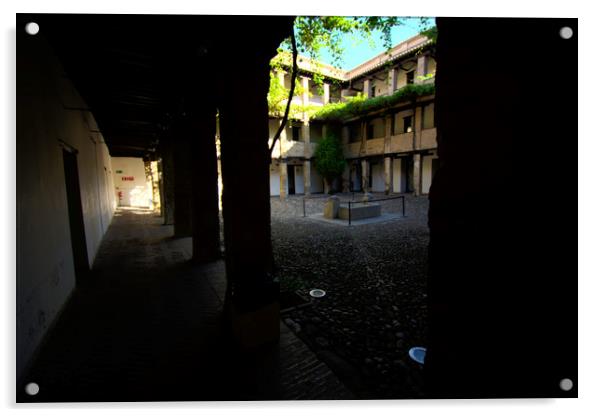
(367, 87)
(392, 81)
(283, 180)
(417, 174)
(326, 96)
(365, 176)
(387, 174)
(307, 177)
(421, 68)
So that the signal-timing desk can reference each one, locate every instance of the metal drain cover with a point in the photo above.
(317, 293)
(418, 354)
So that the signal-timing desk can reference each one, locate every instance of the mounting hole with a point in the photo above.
(566, 32)
(32, 28)
(566, 384)
(32, 388)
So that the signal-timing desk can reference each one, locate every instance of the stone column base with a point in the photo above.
(251, 329)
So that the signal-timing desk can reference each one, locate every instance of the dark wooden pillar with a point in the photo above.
(182, 139)
(161, 187)
(252, 293)
(205, 199)
(502, 288)
(167, 180)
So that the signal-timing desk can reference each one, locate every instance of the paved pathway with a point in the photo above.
(147, 327)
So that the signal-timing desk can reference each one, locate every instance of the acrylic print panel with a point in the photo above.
(394, 234)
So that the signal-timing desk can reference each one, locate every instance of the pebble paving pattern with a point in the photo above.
(374, 276)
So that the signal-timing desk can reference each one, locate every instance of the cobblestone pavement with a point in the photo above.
(374, 276)
(146, 326)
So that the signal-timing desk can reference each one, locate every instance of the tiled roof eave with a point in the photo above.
(391, 59)
(345, 75)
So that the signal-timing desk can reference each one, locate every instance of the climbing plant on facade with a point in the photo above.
(360, 105)
(330, 160)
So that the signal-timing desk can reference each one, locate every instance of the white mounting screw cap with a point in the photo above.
(566, 32)
(566, 384)
(32, 388)
(32, 28)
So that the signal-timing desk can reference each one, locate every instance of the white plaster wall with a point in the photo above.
(108, 187)
(381, 86)
(220, 184)
(136, 193)
(299, 184)
(427, 173)
(397, 175)
(378, 177)
(401, 79)
(274, 179)
(401, 75)
(45, 270)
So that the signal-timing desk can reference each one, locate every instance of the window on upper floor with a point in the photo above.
(410, 77)
(400, 122)
(373, 91)
(355, 133)
(296, 133)
(375, 128)
(407, 124)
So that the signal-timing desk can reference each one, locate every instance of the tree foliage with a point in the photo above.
(278, 94)
(330, 160)
(315, 33)
(360, 105)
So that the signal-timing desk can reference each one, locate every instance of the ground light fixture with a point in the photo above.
(417, 354)
(317, 293)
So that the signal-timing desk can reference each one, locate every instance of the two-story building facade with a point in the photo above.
(291, 170)
(390, 148)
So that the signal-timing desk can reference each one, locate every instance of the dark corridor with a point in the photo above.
(145, 326)
(148, 326)
(76, 216)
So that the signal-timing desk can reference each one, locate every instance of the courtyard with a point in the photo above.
(374, 276)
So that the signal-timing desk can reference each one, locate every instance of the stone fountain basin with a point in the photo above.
(360, 211)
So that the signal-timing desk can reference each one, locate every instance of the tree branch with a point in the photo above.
(290, 94)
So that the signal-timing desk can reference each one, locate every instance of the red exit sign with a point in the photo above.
(127, 178)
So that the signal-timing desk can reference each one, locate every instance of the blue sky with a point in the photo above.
(360, 50)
